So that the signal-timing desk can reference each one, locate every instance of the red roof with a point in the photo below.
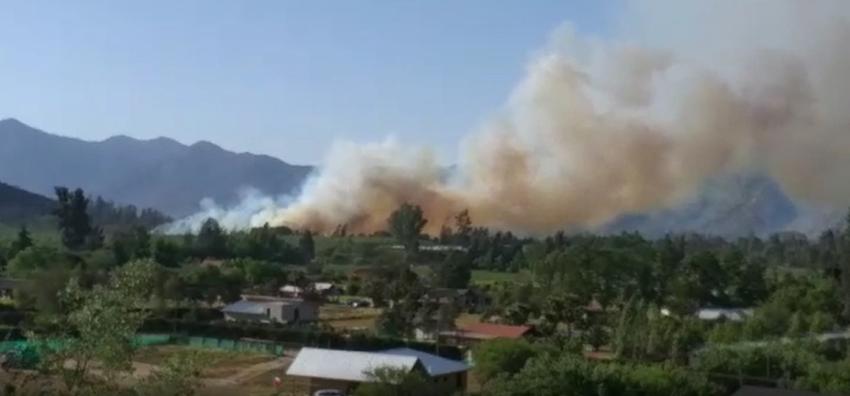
(490, 330)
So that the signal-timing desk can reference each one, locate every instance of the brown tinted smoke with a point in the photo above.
(596, 130)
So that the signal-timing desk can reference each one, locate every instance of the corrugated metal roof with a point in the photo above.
(246, 307)
(434, 365)
(345, 365)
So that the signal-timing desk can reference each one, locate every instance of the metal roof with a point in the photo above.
(246, 307)
(434, 365)
(345, 365)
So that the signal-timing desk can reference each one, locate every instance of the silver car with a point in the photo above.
(328, 392)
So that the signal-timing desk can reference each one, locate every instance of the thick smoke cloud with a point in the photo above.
(597, 129)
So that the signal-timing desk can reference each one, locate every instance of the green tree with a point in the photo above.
(211, 284)
(166, 253)
(74, 221)
(669, 257)
(132, 245)
(501, 357)
(307, 246)
(798, 325)
(211, 240)
(406, 224)
(821, 322)
(454, 272)
(34, 259)
(398, 320)
(596, 336)
(20, 243)
(100, 326)
(463, 228)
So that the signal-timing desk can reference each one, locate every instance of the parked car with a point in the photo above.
(328, 392)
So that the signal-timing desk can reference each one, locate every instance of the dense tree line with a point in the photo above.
(107, 213)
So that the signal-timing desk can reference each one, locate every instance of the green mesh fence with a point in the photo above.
(24, 354)
(20, 353)
(143, 340)
(232, 345)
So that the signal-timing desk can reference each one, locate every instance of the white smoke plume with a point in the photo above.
(254, 210)
(600, 128)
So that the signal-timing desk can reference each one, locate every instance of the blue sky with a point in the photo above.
(276, 77)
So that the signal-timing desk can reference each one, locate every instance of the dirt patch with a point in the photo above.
(344, 317)
(216, 363)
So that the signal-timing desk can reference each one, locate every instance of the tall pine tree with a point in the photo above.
(307, 246)
(74, 221)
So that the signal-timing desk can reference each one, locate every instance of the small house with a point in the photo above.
(325, 289)
(291, 291)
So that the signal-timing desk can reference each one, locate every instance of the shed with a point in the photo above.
(271, 310)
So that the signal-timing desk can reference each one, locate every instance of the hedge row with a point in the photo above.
(289, 335)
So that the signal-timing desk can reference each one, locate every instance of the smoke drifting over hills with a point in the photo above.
(597, 129)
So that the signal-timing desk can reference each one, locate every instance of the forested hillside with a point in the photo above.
(18, 205)
(159, 173)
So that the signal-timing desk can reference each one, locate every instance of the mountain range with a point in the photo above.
(731, 206)
(172, 177)
(159, 173)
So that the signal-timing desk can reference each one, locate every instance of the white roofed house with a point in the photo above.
(344, 370)
(325, 288)
(730, 314)
(291, 291)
